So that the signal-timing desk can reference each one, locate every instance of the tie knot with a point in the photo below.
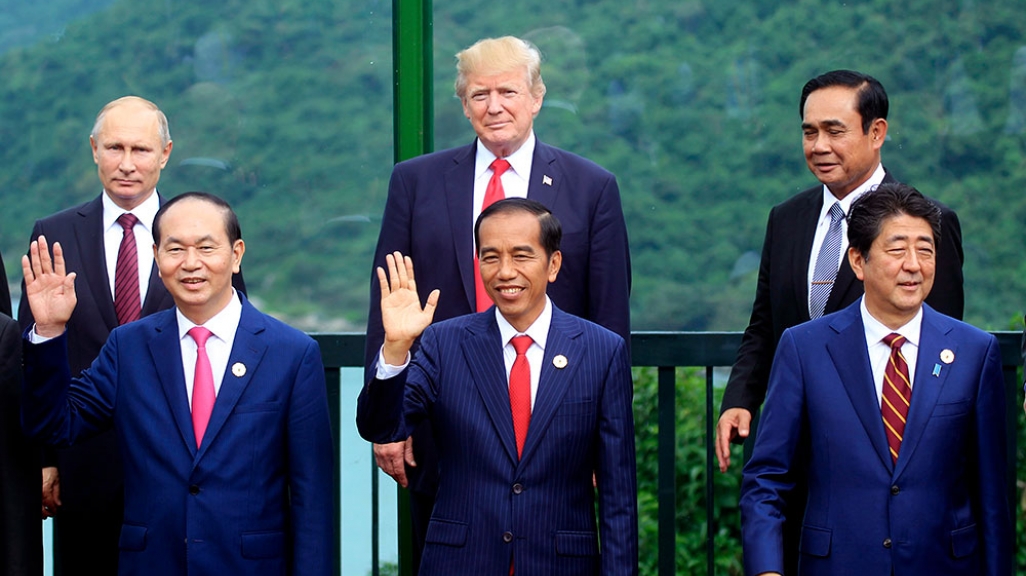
(836, 213)
(894, 340)
(200, 335)
(499, 165)
(127, 220)
(521, 344)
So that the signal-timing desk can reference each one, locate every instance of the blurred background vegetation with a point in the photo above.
(284, 108)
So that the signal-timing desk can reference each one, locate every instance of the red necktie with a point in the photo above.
(202, 385)
(127, 303)
(493, 194)
(897, 393)
(520, 390)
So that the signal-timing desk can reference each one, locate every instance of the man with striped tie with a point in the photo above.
(895, 415)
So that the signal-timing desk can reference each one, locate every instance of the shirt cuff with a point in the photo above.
(385, 370)
(35, 338)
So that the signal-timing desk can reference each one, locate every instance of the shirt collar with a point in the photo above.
(145, 212)
(223, 324)
(538, 331)
(876, 331)
(519, 161)
(828, 197)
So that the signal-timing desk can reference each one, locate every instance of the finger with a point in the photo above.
(58, 259)
(411, 282)
(408, 452)
(400, 265)
(723, 431)
(26, 270)
(393, 274)
(45, 263)
(37, 269)
(744, 423)
(383, 281)
(432, 303)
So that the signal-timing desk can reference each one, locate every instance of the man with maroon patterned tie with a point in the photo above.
(897, 413)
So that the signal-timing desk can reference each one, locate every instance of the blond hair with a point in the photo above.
(498, 55)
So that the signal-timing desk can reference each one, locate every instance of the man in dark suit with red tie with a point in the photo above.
(527, 402)
(433, 201)
(108, 243)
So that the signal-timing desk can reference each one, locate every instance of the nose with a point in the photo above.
(494, 104)
(912, 263)
(819, 145)
(126, 164)
(506, 269)
(192, 259)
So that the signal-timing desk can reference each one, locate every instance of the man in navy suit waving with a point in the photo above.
(526, 402)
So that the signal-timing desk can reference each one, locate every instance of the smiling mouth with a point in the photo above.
(510, 290)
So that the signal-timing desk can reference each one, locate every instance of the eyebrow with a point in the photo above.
(828, 123)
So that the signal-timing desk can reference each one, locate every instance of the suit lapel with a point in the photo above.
(482, 350)
(553, 382)
(165, 351)
(546, 179)
(89, 236)
(807, 220)
(459, 197)
(851, 360)
(926, 387)
(247, 350)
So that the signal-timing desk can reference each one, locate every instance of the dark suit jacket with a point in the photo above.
(428, 216)
(255, 498)
(91, 474)
(21, 542)
(942, 509)
(782, 293)
(539, 510)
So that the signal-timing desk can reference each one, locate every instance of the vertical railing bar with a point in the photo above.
(710, 457)
(667, 471)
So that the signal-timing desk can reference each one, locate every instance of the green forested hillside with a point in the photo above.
(284, 108)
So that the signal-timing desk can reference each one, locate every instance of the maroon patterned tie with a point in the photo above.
(127, 303)
(897, 393)
(493, 194)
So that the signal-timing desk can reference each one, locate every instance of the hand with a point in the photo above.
(401, 314)
(734, 423)
(50, 290)
(51, 491)
(393, 458)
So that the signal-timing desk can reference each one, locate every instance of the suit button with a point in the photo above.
(194, 490)
(518, 488)
(895, 490)
(507, 537)
(887, 542)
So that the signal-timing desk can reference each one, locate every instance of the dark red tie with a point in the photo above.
(127, 303)
(897, 393)
(493, 194)
(520, 391)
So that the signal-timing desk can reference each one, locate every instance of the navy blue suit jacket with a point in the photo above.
(539, 510)
(942, 509)
(255, 498)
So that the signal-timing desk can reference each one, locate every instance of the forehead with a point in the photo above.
(490, 79)
(904, 227)
(193, 219)
(129, 121)
(511, 229)
(833, 102)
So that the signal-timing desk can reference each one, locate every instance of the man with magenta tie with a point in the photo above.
(220, 411)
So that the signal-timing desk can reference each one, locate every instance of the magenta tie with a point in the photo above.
(202, 385)
(493, 194)
(520, 391)
(127, 303)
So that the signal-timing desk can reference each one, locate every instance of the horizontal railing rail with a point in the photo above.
(666, 351)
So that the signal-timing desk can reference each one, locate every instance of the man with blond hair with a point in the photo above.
(108, 243)
(433, 201)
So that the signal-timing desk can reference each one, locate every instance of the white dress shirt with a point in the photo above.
(223, 326)
(514, 180)
(824, 222)
(880, 352)
(112, 233)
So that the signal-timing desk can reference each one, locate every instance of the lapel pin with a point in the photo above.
(947, 356)
(559, 361)
(547, 180)
(936, 370)
(239, 369)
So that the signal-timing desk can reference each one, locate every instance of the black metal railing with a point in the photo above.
(666, 351)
